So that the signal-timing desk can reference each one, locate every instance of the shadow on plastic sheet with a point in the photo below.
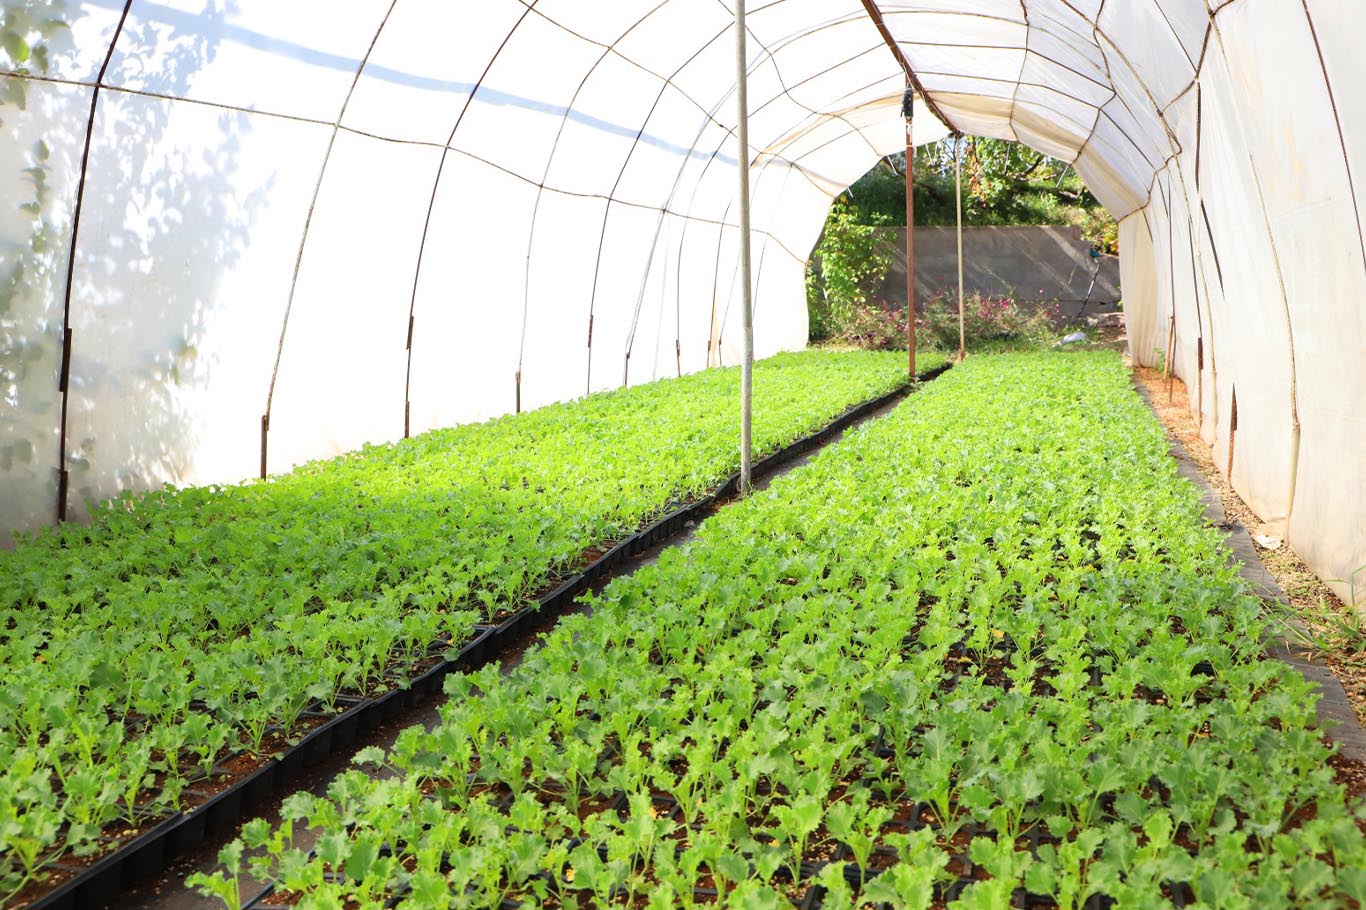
(162, 218)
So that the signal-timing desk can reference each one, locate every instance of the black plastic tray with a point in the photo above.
(155, 849)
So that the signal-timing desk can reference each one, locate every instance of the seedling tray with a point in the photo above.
(657, 695)
(178, 835)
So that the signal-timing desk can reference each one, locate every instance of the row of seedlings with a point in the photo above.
(984, 653)
(183, 634)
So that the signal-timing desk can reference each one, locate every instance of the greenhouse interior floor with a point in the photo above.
(994, 649)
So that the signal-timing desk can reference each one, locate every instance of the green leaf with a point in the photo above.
(333, 848)
(256, 833)
(429, 890)
(1352, 881)
(370, 755)
(364, 851)
(15, 45)
(905, 886)
(1040, 878)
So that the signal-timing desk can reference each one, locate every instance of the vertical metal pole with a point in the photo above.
(1232, 432)
(958, 194)
(265, 439)
(907, 110)
(747, 310)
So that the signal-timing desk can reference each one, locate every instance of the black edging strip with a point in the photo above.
(154, 850)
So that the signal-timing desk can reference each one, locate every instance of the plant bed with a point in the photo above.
(254, 777)
(781, 679)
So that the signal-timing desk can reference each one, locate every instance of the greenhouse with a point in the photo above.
(420, 489)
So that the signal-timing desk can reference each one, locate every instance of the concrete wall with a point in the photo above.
(1035, 263)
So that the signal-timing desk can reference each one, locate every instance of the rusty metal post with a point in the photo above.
(958, 196)
(1199, 378)
(63, 386)
(1167, 371)
(408, 379)
(1232, 432)
(908, 111)
(64, 374)
(265, 438)
(1171, 351)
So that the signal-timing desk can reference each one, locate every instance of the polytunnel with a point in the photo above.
(244, 235)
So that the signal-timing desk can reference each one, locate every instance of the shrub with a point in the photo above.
(849, 259)
(986, 320)
(874, 327)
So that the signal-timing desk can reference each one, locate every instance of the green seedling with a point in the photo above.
(1018, 639)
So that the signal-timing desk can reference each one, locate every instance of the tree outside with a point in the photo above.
(1004, 183)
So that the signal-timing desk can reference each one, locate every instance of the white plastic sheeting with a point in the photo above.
(380, 216)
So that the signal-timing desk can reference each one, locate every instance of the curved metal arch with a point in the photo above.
(812, 114)
(431, 208)
(765, 156)
(64, 374)
(545, 175)
(303, 239)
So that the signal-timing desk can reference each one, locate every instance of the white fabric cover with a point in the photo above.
(349, 215)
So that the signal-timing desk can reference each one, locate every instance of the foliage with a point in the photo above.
(1335, 628)
(1003, 183)
(182, 626)
(875, 327)
(989, 324)
(941, 640)
(850, 259)
(28, 29)
(1098, 228)
(987, 321)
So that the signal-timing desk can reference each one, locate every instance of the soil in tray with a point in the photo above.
(233, 768)
(281, 900)
(46, 881)
(66, 866)
(246, 761)
(205, 789)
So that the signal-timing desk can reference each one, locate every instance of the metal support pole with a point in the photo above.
(746, 281)
(908, 111)
(1199, 379)
(1167, 372)
(1232, 432)
(958, 194)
